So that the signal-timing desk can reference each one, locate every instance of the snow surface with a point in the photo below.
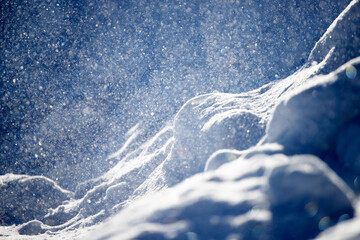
(278, 162)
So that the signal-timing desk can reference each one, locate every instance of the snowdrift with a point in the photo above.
(257, 198)
(278, 162)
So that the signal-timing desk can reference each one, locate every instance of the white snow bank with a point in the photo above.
(316, 120)
(315, 112)
(258, 198)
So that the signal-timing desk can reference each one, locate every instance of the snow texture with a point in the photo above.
(257, 198)
(24, 198)
(281, 161)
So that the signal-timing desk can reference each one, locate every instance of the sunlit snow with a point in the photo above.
(180, 120)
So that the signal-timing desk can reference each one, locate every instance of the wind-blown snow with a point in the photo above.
(24, 198)
(278, 162)
(294, 198)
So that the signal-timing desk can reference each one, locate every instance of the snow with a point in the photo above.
(293, 187)
(24, 198)
(277, 161)
(256, 198)
(342, 35)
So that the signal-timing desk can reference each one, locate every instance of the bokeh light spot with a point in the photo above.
(324, 223)
(351, 72)
(234, 236)
(232, 157)
(191, 236)
(311, 209)
(344, 217)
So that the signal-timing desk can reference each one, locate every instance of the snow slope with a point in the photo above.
(281, 162)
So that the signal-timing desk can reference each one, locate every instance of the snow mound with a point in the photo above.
(316, 112)
(317, 119)
(258, 198)
(206, 124)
